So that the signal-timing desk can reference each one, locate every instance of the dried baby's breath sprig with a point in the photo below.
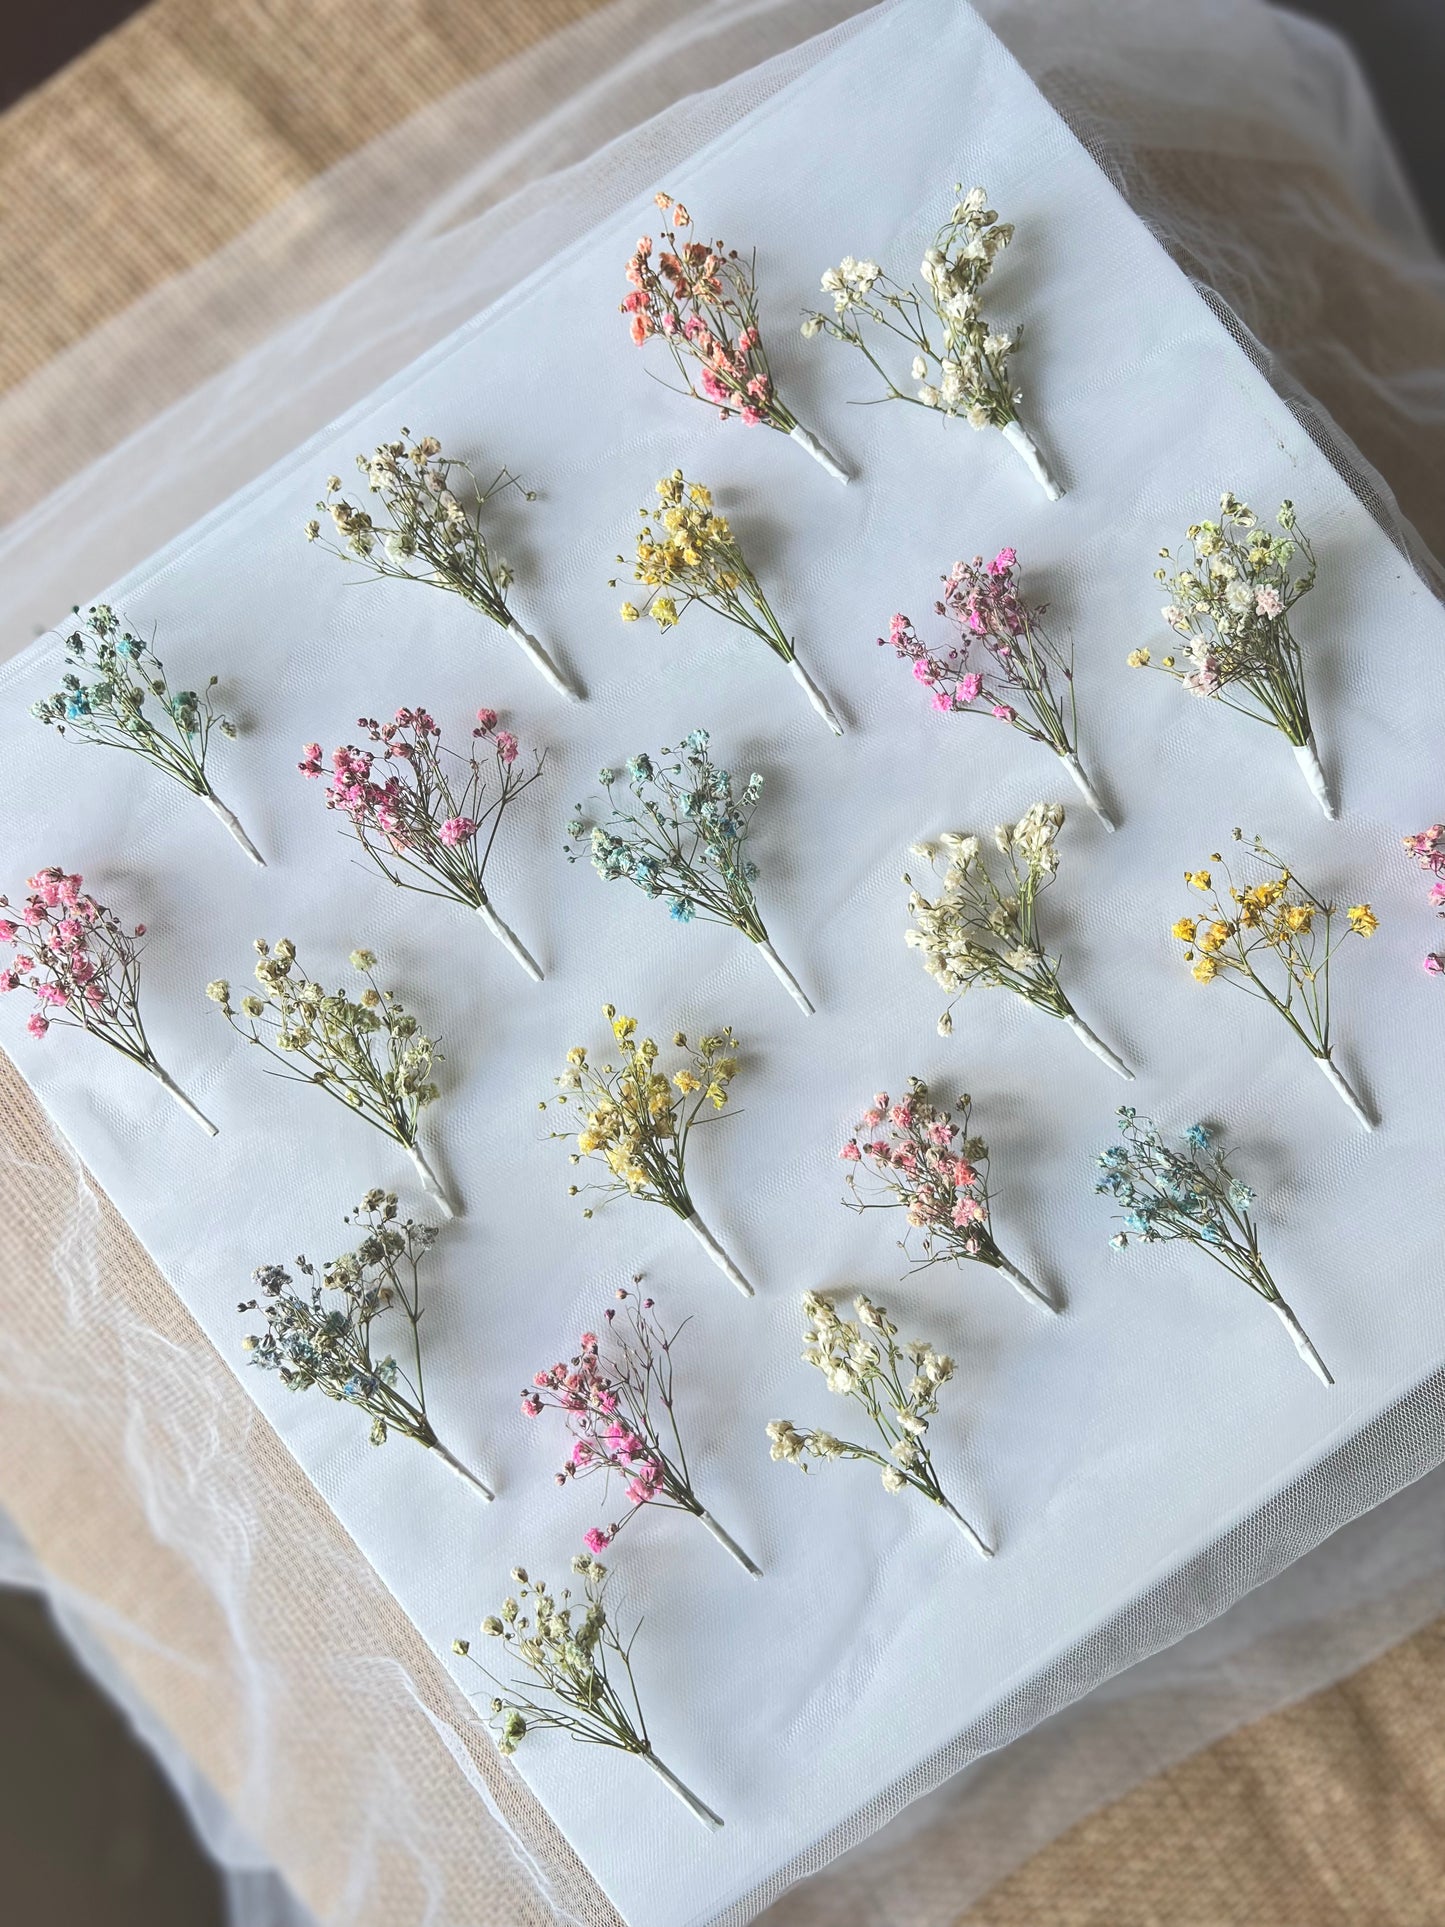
(701, 298)
(82, 967)
(896, 1385)
(1232, 596)
(582, 1669)
(617, 1397)
(684, 843)
(960, 364)
(115, 692)
(428, 816)
(930, 1165)
(1276, 940)
(1191, 1194)
(998, 628)
(363, 1050)
(426, 526)
(980, 930)
(686, 553)
(1428, 849)
(327, 1341)
(630, 1118)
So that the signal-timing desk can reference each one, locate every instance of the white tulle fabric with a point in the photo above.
(441, 220)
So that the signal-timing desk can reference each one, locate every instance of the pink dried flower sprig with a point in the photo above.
(428, 816)
(617, 1397)
(1428, 849)
(927, 1163)
(82, 967)
(701, 299)
(1004, 664)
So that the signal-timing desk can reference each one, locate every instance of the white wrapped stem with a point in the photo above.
(729, 1544)
(1306, 755)
(715, 1251)
(815, 696)
(1086, 789)
(971, 1533)
(1338, 1081)
(1024, 1285)
(233, 823)
(164, 1078)
(1027, 449)
(1301, 1341)
(541, 661)
(689, 1799)
(1097, 1046)
(431, 1183)
(463, 1472)
(815, 448)
(510, 940)
(785, 977)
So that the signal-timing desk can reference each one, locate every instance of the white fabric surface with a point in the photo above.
(1148, 411)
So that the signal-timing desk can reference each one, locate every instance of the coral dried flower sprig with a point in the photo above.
(363, 1050)
(322, 1335)
(984, 929)
(926, 1162)
(960, 361)
(683, 842)
(1191, 1194)
(637, 1123)
(1428, 849)
(426, 815)
(897, 1386)
(618, 1399)
(1004, 665)
(1232, 597)
(686, 552)
(426, 526)
(1275, 939)
(701, 299)
(115, 692)
(82, 967)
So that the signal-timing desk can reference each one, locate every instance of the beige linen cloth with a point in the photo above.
(159, 145)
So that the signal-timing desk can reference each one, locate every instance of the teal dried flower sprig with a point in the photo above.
(321, 1336)
(896, 1385)
(581, 1680)
(365, 1051)
(115, 692)
(1163, 1194)
(682, 840)
(421, 529)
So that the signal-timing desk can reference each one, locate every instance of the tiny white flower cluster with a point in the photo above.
(977, 931)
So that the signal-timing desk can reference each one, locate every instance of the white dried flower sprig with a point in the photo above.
(365, 1051)
(960, 363)
(581, 1682)
(422, 530)
(312, 1341)
(980, 929)
(896, 1385)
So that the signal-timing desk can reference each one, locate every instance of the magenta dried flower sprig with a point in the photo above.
(701, 299)
(82, 967)
(426, 815)
(1428, 849)
(618, 1400)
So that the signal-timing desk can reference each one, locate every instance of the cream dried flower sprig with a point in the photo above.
(960, 362)
(365, 1050)
(1232, 597)
(581, 1682)
(982, 929)
(686, 552)
(422, 530)
(634, 1121)
(896, 1385)
(327, 1342)
(1276, 940)
(115, 692)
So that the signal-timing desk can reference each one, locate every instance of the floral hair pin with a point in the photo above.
(685, 843)
(692, 555)
(1428, 849)
(618, 1401)
(82, 967)
(115, 692)
(632, 1119)
(927, 1164)
(983, 930)
(1232, 596)
(701, 298)
(421, 530)
(896, 1385)
(1164, 1194)
(581, 1681)
(428, 816)
(322, 1335)
(960, 365)
(1003, 664)
(365, 1051)
(1275, 939)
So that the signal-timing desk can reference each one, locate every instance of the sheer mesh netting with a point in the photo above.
(197, 1568)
